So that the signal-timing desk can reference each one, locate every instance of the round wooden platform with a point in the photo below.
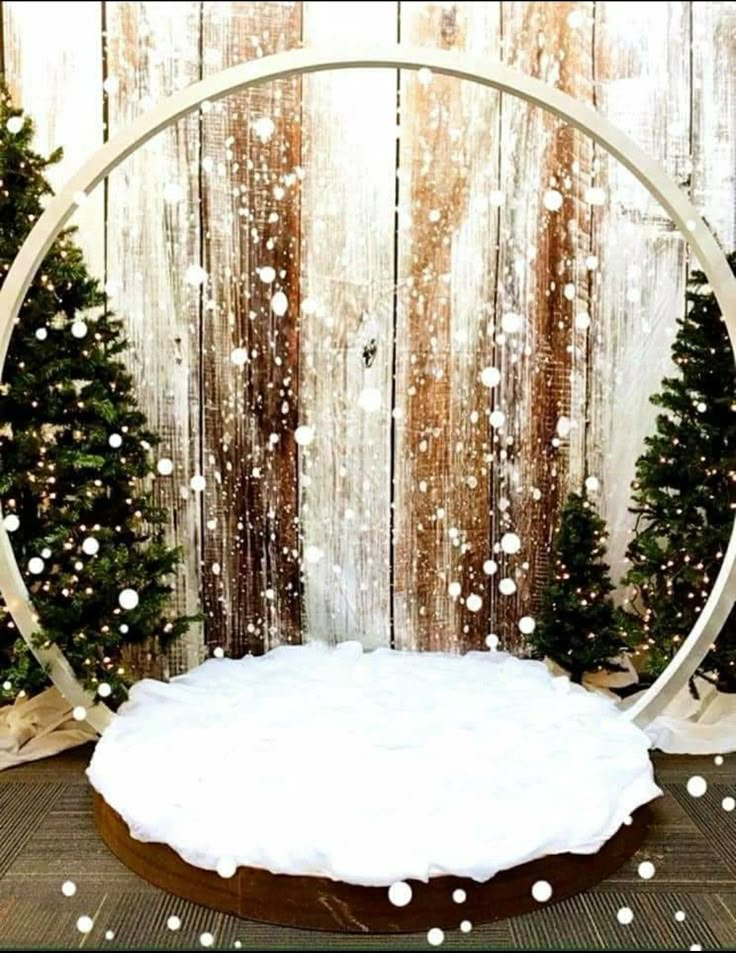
(317, 903)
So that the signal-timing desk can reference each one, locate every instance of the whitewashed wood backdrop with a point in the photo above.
(403, 216)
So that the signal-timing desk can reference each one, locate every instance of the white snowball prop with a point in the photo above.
(128, 599)
(403, 716)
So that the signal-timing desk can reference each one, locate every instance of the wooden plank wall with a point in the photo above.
(352, 255)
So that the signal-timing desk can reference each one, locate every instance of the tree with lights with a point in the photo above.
(578, 626)
(74, 458)
(684, 493)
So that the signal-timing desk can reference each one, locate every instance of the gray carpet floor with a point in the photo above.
(47, 836)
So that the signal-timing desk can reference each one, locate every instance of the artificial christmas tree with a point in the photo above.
(684, 494)
(74, 458)
(578, 626)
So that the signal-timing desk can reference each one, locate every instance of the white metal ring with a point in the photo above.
(313, 60)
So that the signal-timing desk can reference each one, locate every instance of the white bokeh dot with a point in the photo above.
(11, 522)
(197, 483)
(226, 867)
(728, 804)
(490, 376)
(206, 939)
(680, 916)
(128, 599)
(174, 922)
(466, 926)
(435, 937)
(459, 895)
(400, 893)
(474, 603)
(79, 713)
(646, 870)
(165, 466)
(625, 915)
(304, 435)
(697, 786)
(552, 200)
(510, 543)
(527, 625)
(507, 587)
(85, 924)
(542, 891)
(68, 888)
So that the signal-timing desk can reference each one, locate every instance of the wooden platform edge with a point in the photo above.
(318, 903)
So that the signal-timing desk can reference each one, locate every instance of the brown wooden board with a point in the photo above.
(346, 331)
(316, 903)
(642, 83)
(153, 242)
(250, 182)
(446, 275)
(542, 284)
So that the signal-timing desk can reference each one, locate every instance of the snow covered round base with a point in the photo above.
(371, 767)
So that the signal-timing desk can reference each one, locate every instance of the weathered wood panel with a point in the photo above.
(542, 287)
(446, 278)
(153, 243)
(714, 116)
(251, 177)
(642, 85)
(53, 67)
(346, 331)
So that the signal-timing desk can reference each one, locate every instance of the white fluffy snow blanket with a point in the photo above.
(372, 767)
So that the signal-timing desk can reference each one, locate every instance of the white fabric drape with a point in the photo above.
(39, 727)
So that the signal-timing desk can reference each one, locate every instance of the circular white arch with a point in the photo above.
(312, 60)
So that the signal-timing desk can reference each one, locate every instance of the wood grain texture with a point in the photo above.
(714, 116)
(53, 67)
(251, 176)
(446, 277)
(317, 903)
(346, 330)
(643, 86)
(542, 286)
(152, 240)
